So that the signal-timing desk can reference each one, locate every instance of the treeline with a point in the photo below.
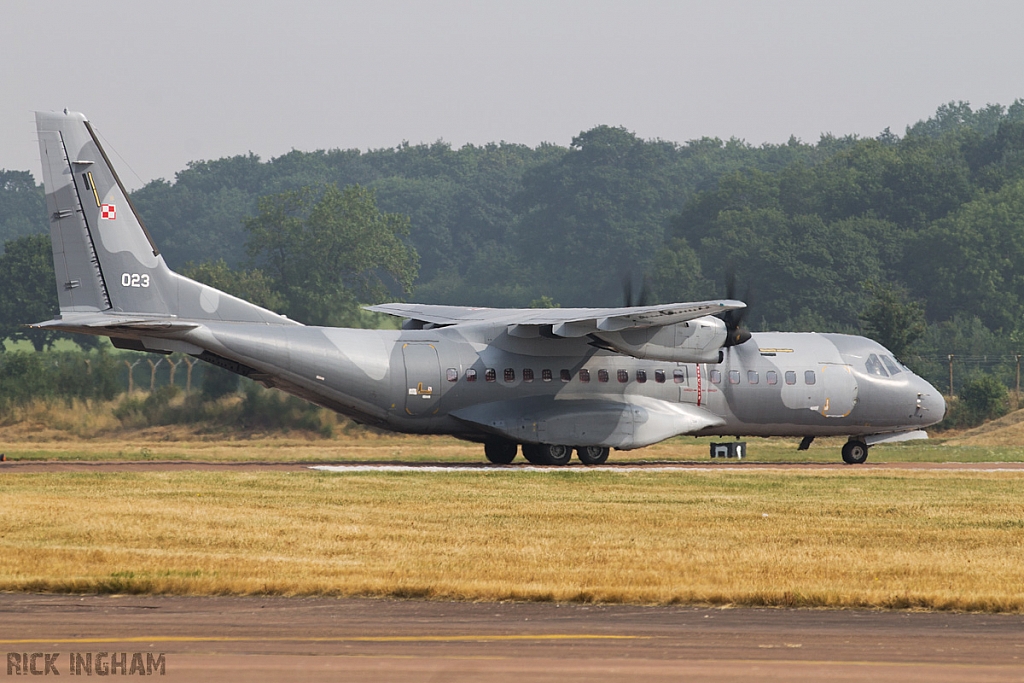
(917, 239)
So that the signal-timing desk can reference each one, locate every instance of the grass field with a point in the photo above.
(177, 444)
(724, 536)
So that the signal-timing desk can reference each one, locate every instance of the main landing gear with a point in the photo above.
(855, 452)
(503, 452)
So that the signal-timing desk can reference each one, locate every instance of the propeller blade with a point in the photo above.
(736, 334)
(632, 298)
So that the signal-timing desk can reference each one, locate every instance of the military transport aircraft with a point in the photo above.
(548, 380)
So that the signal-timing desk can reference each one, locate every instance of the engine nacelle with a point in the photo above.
(696, 341)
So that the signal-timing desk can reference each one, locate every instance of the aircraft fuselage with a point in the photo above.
(422, 381)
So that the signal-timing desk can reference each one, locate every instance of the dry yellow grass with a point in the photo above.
(937, 540)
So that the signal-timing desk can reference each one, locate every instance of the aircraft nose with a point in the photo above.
(931, 407)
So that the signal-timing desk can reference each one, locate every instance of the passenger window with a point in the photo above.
(527, 374)
(584, 375)
(809, 377)
(874, 366)
(771, 377)
(565, 375)
(452, 374)
(790, 377)
(471, 375)
(623, 376)
(641, 376)
(679, 375)
(545, 375)
(510, 375)
(602, 375)
(490, 375)
(734, 377)
(890, 366)
(752, 377)
(716, 377)
(659, 376)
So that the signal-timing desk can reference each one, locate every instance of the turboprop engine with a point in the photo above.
(695, 341)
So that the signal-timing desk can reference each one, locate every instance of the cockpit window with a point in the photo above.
(891, 366)
(874, 366)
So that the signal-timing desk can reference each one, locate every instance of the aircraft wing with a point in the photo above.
(564, 322)
(633, 423)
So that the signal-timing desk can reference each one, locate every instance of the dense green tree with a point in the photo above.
(891, 319)
(973, 260)
(329, 250)
(22, 206)
(596, 214)
(503, 224)
(29, 293)
(200, 216)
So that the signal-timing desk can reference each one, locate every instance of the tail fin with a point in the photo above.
(104, 257)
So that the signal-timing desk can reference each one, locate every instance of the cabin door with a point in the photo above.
(422, 379)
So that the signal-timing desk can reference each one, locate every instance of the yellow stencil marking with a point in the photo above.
(339, 639)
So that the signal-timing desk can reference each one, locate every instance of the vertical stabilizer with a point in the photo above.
(104, 258)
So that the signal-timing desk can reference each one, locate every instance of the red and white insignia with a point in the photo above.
(108, 212)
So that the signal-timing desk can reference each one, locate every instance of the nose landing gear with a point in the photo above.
(855, 452)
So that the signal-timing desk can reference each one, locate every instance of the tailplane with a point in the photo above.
(105, 260)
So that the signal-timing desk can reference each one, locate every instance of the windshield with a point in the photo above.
(875, 367)
(891, 366)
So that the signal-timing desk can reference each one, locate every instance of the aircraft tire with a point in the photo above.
(592, 455)
(500, 452)
(855, 452)
(556, 454)
(533, 455)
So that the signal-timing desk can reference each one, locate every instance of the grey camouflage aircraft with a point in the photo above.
(549, 380)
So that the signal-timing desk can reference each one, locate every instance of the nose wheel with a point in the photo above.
(855, 452)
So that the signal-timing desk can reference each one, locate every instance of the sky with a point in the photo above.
(165, 83)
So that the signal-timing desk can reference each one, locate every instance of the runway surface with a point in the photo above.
(325, 639)
(14, 466)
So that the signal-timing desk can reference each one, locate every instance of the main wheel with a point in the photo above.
(547, 454)
(556, 454)
(500, 452)
(533, 455)
(855, 452)
(592, 455)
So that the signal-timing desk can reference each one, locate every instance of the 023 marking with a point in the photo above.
(134, 280)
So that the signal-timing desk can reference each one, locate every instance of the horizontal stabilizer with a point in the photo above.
(95, 323)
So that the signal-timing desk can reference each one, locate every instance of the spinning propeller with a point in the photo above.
(736, 333)
(642, 297)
